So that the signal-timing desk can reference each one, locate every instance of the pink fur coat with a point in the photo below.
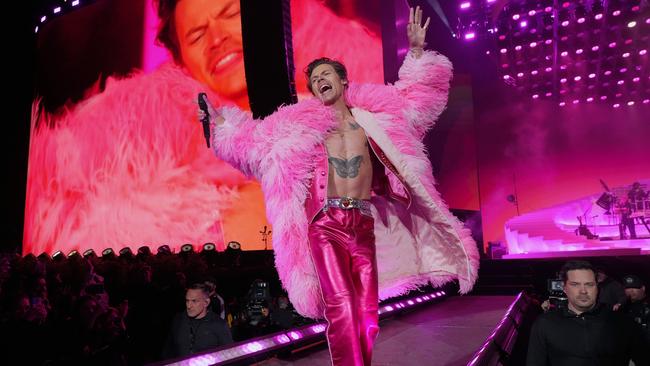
(415, 245)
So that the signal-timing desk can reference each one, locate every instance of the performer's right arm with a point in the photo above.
(237, 138)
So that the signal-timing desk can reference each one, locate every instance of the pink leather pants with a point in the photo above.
(342, 244)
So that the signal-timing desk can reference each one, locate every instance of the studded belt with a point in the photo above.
(347, 203)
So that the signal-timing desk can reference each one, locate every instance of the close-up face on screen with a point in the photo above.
(117, 156)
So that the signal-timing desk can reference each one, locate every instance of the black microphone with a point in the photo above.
(206, 118)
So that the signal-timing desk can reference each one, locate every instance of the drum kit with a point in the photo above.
(632, 202)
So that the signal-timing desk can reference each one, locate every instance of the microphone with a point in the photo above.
(206, 118)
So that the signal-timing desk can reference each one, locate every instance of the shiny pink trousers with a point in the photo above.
(342, 244)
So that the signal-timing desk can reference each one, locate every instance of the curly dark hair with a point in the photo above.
(337, 65)
(167, 28)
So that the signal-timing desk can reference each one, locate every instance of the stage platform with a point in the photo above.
(444, 334)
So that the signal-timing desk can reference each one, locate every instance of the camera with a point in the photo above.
(556, 295)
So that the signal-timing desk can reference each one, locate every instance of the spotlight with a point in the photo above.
(144, 251)
(44, 257)
(58, 255)
(470, 35)
(616, 105)
(108, 252)
(73, 253)
(234, 245)
(164, 250)
(465, 5)
(186, 248)
(126, 252)
(209, 247)
(630, 103)
(631, 24)
(90, 253)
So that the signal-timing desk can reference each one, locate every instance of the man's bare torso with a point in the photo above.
(350, 168)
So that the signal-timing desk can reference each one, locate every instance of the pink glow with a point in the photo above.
(504, 50)
(620, 82)
(563, 80)
(465, 5)
(520, 74)
(576, 101)
(531, 13)
(592, 75)
(579, 51)
(548, 69)
(56, 10)
(535, 96)
(623, 70)
(565, 23)
(643, 52)
(590, 99)
(566, 4)
(616, 13)
(612, 45)
(470, 35)
(646, 101)
(548, 41)
(636, 79)
(598, 16)
(562, 104)
(577, 78)
(564, 53)
(153, 55)
(631, 24)
(604, 97)
(595, 48)
(534, 72)
(626, 55)
(548, 9)
(515, 17)
(523, 24)
(581, 20)
(608, 72)
(517, 48)
(616, 105)
(630, 103)
(75, 3)
(549, 94)
(533, 44)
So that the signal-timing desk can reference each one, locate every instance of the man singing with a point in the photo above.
(350, 193)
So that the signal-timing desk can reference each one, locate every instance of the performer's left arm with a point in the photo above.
(423, 78)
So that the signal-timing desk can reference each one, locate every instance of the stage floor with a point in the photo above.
(442, 334)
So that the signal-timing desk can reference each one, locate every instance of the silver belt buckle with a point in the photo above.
(346, 203)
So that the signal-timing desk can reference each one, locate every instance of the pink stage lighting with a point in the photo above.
(620, 82)
(576, 101)
(565, 23)
(548, 94)
(603, 97)
(642, 52)
(515, 17)
(646, 101)
(564, 53)
(75, 3)
(598, 17)
(531, 13)
(616, 13)
(636, 79)
(581, 20)
(616, 105)
(631, 24)
(548, 41)
(612, 45)
(595, 48)
(533, 44)
(608, 72)
(465, 5)
(590, 99)
(579, 51)
(630, 103)
(562, 104)
(534, 72)
(523, 24)
(563, 80)
(626, 54)
(535, 96)
(521, 74)
(548, 69)
(517, 48)
(470, 35)
(504, 50)
(623, 69)
(57, 10)
(577, 78)
(592, 75)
